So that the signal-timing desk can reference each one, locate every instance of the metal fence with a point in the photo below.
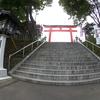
(22, 53)
(93, 47)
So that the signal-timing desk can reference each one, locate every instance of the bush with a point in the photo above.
(96, 49)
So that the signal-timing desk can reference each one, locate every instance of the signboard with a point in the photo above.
(97, 34)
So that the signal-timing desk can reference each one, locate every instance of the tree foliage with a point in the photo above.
(23, 9)
(80, 9)
(88, 28)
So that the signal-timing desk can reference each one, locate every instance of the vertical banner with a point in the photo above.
(97, 34)
(81, 32)
(0, 43)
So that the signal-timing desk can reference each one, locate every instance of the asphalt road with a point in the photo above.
(20, 90)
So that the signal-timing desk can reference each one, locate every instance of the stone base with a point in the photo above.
(3, 75)
(3, 72)
(5, 79)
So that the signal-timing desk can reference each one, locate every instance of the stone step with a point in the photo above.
(78, 48)
(58, 72)
(75, 51)
(60, 62)
(53, 82)
(66, 51)
(65, 48)
(66, 57)
(63, 67)
(58, 77)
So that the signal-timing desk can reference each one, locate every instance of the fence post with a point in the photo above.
(23, 52)
(32, 47)
(9, 63)
(86, 44)
(37, 43)
(92, 47)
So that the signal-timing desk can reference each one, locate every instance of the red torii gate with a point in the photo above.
(51, 29)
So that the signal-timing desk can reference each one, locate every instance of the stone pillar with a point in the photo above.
(3, 71)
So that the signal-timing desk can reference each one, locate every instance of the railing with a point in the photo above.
(92, 47)
(23, 51)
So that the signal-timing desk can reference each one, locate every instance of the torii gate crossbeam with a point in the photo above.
(59, 28)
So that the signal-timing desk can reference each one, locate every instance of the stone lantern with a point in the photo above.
(8, 21)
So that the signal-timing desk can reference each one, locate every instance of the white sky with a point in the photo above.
(53, 15)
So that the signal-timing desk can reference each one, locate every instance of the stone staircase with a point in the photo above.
(60, 64)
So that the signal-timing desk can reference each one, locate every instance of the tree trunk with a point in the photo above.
(33, 23)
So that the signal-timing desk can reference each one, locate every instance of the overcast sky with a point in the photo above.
(53, 15)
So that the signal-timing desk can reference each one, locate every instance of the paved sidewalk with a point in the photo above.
(19, 90)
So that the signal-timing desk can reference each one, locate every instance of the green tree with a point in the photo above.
(23, 9)
(80, 9)
(88, 29)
